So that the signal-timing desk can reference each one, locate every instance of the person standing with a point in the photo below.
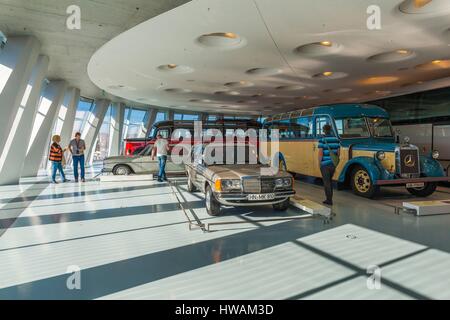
(56, 155)
(77, 147)
(161, 149)
(329, 150)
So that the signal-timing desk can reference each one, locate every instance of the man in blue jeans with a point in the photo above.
(77, 147)
(161, 149)
(328, 143)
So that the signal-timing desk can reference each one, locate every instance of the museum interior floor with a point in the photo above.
(131, 240)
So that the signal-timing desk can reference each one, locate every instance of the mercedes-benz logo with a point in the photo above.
(409, 161)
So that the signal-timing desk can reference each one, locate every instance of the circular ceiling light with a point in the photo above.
(290, 88)
(434, 65)
(239, 84)
(177, 90)
(174, 68)
(200, 100)
(330, 75)
(318, 48)
(379, 80)
(382, 92)
(221, 40)
(265, 72)
(307, 98)
(424, 6)
(392, 56)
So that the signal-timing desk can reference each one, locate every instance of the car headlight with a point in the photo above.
(230, 184)
(279, 183)
(287, 182)
(406, 139)
(435, 154)
(381, 155)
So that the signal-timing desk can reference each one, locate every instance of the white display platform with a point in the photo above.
(135, 177)
(311, 207)
(424, 208)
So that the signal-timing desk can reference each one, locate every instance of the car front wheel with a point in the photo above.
(122, 170)
(212, 205)
(427, 190)
(190, 185)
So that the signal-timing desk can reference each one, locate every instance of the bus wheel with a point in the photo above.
(425, 191)
(362, 184)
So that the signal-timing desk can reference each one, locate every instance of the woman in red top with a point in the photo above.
(56, 156)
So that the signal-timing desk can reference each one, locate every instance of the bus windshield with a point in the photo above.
(352, 128)
(380, 127)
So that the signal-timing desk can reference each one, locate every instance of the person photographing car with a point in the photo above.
(161, 149)
(329, 150)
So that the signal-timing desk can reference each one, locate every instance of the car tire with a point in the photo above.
(281, 206)
(211, 204)
(190, 185)
(426, 191)
(362, 184)
(122, 170)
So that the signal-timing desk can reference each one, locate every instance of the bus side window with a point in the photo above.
(320, 122)
(302, 127)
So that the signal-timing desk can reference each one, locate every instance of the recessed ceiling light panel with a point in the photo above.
(392, 56)
(177, 90)
(434, 65)
(330, 75)
(222, 40)
(320, 48)
(264, 72)
(290, 88)
(174, 68)
(424, 6)
(379, 80)
(239, 84)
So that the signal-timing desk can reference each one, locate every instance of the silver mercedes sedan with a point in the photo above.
(140, 163)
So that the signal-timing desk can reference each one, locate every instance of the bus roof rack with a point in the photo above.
(291, 114)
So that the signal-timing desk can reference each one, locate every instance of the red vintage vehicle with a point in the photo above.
(177, 131)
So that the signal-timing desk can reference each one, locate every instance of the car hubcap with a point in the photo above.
(362, 181)
(122, 171)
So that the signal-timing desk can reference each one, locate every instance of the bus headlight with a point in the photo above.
(381, 155)
(435, 154)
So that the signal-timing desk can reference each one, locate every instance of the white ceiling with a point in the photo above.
(270, 32)
(70, 50)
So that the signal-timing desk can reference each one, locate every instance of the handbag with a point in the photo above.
(334, 157)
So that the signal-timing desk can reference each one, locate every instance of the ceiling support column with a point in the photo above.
(71, 100)
(13, 154)
(116, 129)
(170, 115)
(92, 127)
(42, 128)
(150, 120)
(17, 61)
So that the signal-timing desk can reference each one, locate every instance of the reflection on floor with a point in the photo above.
(132, 241)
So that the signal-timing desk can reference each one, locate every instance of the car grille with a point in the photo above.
(408, 162)
(259, 185)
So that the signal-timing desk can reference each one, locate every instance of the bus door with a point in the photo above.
(319, 122)
(299, 150)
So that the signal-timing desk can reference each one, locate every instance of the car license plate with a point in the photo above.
(415, 185)
(259, 197)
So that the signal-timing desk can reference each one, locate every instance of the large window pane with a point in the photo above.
(102, 147)
(136, 123)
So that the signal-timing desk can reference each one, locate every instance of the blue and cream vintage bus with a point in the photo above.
(370, 157)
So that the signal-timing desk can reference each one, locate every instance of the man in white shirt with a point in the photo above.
(161, 149)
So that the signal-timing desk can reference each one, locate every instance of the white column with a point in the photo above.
(204, 116)
(92, 127)
(15, 150)
(44, 122)
(150, 120)
(71, 99)
(116, 128)
(17, 61)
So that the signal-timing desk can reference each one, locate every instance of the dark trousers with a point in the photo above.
(78, 160)
(327, 176)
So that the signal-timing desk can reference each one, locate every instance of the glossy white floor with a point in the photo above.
(132, 241)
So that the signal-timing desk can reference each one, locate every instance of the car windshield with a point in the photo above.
(215, 154)
(380, 127)
(145, 151)
(352, 128)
